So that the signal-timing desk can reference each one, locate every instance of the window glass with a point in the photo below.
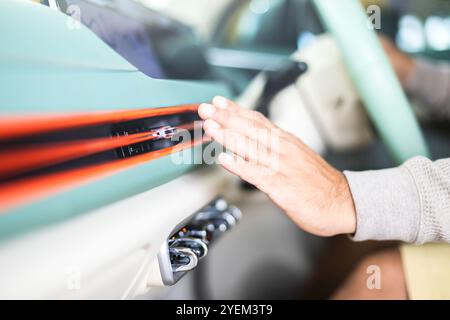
(421, 27)
(270, 25)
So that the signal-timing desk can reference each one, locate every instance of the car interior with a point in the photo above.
(262, 52)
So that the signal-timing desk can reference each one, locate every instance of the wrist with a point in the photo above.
(345, 211)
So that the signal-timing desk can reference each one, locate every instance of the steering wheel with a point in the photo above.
(374, 77)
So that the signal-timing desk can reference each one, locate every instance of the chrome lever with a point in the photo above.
(186, 247)
(182, 259)
(224, 216)
(165, 132)
(196, 245)
(236, 212)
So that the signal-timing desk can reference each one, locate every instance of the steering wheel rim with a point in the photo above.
(374, 78)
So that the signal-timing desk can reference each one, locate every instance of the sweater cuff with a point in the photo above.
(387, 205)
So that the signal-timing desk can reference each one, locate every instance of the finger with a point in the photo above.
(224, 108)
(247, 128)
(233, 121)
(249, 149)
(261, 177)
(206, 111)
(262, 148)
(224, 104)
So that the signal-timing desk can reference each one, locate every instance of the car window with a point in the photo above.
(429, 35)
(419, 27)
(269, 25)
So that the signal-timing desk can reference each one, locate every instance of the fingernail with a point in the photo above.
(207, 110)
(221, 102)
(211, 124)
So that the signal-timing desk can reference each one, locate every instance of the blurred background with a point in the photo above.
(244, 44)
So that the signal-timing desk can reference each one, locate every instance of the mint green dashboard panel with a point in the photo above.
(48, 66)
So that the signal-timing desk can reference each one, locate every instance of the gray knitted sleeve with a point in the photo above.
(410, 203)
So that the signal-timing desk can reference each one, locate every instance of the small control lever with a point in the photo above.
(192, 233)
(182, 259)
(217, 218)
(196, 245)
(186, 247)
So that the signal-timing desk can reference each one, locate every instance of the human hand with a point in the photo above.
(403, 64)
(312, 193)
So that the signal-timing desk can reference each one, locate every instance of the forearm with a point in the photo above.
(410, 203)
(429, 83)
